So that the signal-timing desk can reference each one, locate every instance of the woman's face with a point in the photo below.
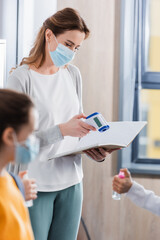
(72, 39)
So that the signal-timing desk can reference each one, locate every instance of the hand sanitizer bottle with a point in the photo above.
(28, 203)
(115, 195)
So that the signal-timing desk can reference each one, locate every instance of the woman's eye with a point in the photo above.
(68, 45)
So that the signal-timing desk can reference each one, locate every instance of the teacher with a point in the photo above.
(55, 87)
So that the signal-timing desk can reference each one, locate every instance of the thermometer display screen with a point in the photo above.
(99, 124)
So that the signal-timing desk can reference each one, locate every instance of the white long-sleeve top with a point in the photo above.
(57, 98)
(144, 198)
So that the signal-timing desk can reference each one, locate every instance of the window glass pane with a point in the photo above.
(2, 61)
(149, 141)
(152, 35)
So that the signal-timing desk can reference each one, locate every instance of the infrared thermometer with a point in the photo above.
(96, 120)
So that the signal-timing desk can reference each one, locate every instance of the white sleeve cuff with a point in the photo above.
(49, 136)
(137, 194)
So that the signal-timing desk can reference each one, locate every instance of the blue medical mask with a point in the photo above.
(62, 55)
(26, 151)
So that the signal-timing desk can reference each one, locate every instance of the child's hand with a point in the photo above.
(29, 187)
(122, 185)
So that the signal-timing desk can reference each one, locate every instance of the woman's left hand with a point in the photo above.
(98, 154)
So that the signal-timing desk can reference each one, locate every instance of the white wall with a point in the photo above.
(32, 14)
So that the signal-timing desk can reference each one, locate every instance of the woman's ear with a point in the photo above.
(48, 35)
(8, 136)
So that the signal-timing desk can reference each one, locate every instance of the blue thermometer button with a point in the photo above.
(104, 128)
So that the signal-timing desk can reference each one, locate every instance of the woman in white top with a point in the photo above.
(137, 193)
(55, 88)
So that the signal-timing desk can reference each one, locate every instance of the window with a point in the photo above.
(140, 79)
(2, 62)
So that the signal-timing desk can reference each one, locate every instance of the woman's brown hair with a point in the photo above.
(14, 110)
(65, 20)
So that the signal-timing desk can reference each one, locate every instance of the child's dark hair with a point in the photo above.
(14, 110)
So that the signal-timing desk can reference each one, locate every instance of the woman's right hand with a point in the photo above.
(75, 127)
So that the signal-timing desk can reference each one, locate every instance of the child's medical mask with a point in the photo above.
(26, 151)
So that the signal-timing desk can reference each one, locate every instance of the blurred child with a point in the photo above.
(17, 119)
(137, 193)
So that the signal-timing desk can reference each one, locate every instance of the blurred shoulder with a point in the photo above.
(74, 69)
(19, 71)
(19, 79)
